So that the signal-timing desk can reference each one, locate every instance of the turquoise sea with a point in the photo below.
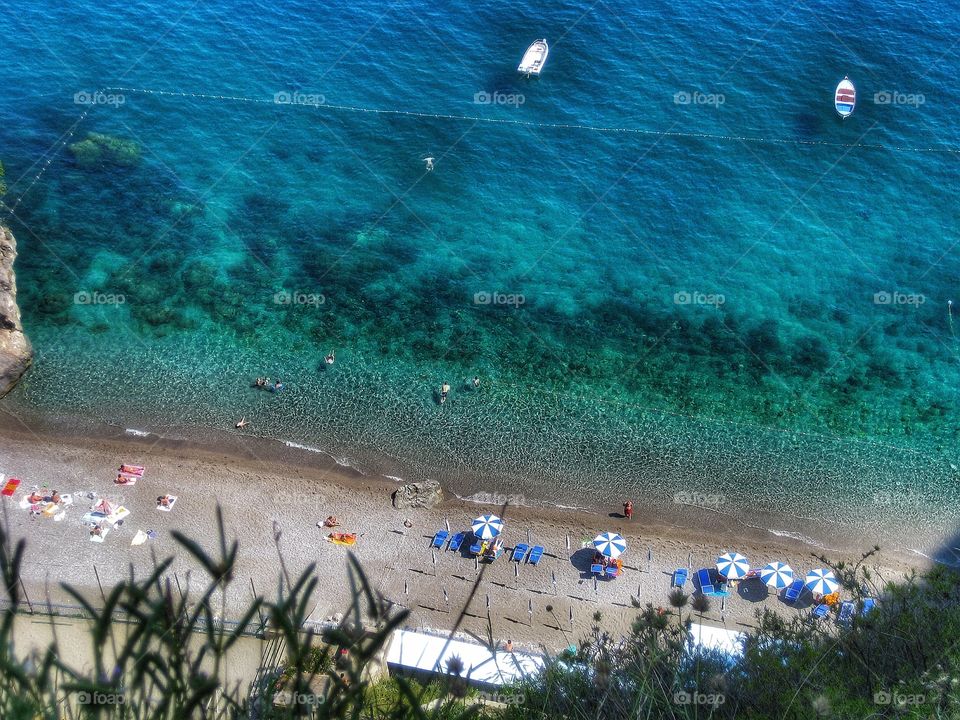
(678, 274)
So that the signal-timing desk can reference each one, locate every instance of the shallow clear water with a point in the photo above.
(699, 314)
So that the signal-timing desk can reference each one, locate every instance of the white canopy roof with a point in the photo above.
(716, 638)
(430, 653)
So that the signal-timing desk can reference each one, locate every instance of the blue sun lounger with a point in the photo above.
(439, 539)
(680, 577)
(868, 605)
(456, 541)
(519, 552)
(820, 611)
(847, 610)
(475, 548)
(793, 591)
(596, 569)
(703, 580)
(612, 571)
(535, 554)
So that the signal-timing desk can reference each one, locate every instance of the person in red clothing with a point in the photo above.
(628, 509)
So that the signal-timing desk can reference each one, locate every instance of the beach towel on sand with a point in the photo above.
(99, 538)
(139, 539)
(342, 538)
(10, 488)
(117, 515)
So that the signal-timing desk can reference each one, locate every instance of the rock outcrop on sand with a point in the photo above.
(15, 351)
(424, 494)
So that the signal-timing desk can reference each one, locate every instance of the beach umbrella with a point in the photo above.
(487, 527)
(821, 581)
(733, 566)
(610, 545)
(777, 575)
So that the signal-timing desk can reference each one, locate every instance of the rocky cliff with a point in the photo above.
(15, 351)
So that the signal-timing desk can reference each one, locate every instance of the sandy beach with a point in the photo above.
(266, 490)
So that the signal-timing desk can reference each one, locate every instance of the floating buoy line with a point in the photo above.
(319, 106)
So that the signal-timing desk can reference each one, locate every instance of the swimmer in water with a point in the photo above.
(476, 382)
(444, 391)
(330, 358)
(242, 424)
(428, 163)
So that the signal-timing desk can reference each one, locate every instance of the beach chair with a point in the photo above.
(705, 583)
(475, 548)
(439, 539)
(456, 541)
(535, 554)
(847, 610)
(680, 577)
(868, 605)
(820, 611)
(519, 552)
(612, 571)
(793, 591)
(596, 569)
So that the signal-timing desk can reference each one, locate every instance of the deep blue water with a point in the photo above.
(803, 393)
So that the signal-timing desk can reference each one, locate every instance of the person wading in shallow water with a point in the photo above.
(628, 509)
(444, 391)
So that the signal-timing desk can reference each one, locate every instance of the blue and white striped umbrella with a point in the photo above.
(487, 527)
(610, 545)
(821, 581)
(777, 575)
(733, 566)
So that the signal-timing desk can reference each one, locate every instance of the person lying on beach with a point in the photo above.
(331, 521)
(35, 497)
(163, 501)
(55, 498)
(97, 531)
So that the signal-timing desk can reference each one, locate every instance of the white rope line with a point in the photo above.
(532, 123)
(50, 155)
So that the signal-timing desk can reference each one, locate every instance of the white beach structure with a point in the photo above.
(709, 637)
(411, 650)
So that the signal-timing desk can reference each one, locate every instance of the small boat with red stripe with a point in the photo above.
(845, 99)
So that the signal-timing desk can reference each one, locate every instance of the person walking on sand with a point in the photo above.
(509, 646)
(242, 424)
(628, 509)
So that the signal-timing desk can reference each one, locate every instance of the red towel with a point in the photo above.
(10, 488)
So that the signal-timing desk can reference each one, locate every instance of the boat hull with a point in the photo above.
(845, 98)
(534, 58)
